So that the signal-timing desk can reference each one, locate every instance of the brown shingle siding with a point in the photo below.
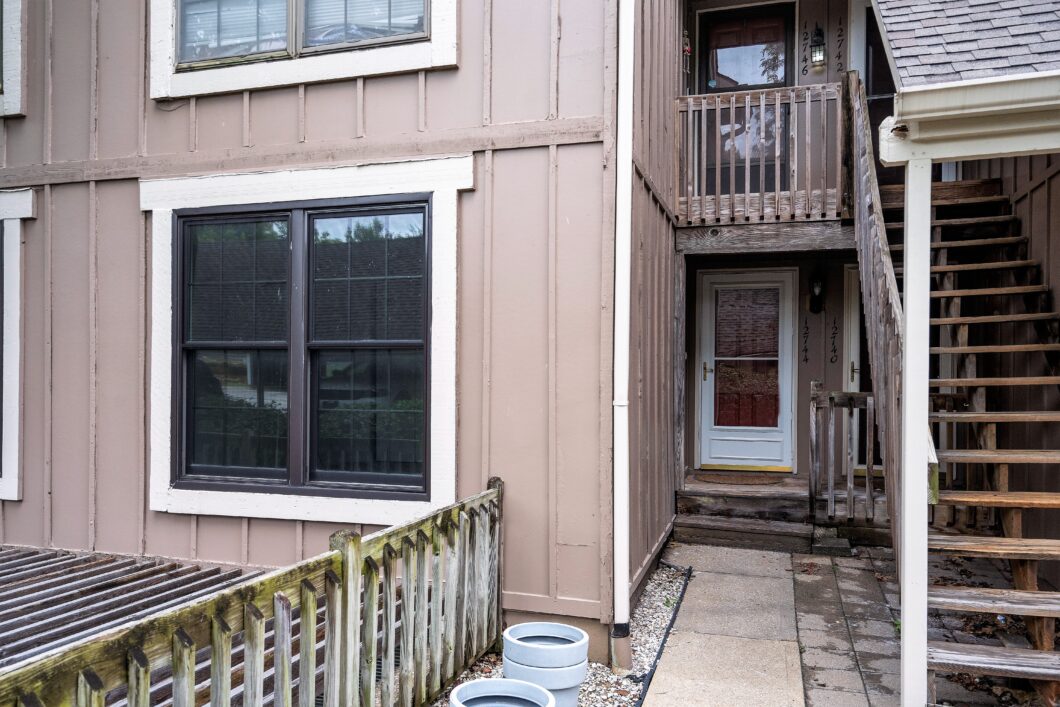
(951, 40)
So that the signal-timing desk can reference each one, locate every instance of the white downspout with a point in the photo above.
(621, 655)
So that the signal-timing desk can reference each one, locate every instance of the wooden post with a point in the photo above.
(349, 544)
(332, 640)
(183, 669)
(307, 645)
(422, 615)
(437, 623)
(90, 692)
(253, 656)
(453, 583)
(139, 679)
(498, 555)
(408, 622)
(281, 652)
(913, 558)
(369, 632)
(220, 662)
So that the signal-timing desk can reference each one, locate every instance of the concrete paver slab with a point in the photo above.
(739, 605)
(835, 698)
(704, 669)
(728, 560)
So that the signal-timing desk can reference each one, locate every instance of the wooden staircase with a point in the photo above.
(989, 307)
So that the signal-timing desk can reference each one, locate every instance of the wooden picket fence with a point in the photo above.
(388, 619)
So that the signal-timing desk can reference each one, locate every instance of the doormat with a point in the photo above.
(737, 479)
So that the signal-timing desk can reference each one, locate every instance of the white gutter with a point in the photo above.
(620, 363)
(1019, 93)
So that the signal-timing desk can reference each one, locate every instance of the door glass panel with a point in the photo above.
(746, 52)
(747, 322)
(746, 394)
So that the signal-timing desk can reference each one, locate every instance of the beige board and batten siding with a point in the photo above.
(535, 108)
(1033, 184)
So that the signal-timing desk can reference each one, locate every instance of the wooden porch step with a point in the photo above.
(1000, 499)
(997, 265)
(994, 601)
(999, 456)
(970, 243)
(743, 532)
(1007, 416)
(992, 291)
(971, 221)
(890, 203)
(993, 660)
(995, 547)
(1001, 348)
(894, 194)
(993, 382)
(997, 318)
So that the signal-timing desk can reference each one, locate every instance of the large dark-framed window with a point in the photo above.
(303, 357)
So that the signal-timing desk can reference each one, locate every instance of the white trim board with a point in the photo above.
(14, 206)
(438, 51)
(443, 178)
(14, 58)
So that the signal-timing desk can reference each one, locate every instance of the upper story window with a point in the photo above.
(201, 47)
(744, 49)
(239, 30)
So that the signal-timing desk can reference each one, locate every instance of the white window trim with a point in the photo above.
(443, 178)
(14, 206)
(14, 58)
(438, 51)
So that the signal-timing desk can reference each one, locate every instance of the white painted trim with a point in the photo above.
(14, 206)
(444, 178)
(438, 51)
(620, 439)
(913, 570)
(14, 59)
(971, 138)
(858, 35)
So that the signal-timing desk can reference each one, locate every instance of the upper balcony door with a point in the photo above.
(743, 50)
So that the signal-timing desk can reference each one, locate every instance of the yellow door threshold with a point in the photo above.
(745, 467)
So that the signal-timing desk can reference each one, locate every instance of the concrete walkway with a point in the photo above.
(735, 639)
(771, 628)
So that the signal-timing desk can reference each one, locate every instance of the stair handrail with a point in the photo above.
(880, 298)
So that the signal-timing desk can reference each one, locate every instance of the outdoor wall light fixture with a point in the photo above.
(816, 295)
(817, 55)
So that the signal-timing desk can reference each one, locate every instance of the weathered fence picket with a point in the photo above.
(422, 597)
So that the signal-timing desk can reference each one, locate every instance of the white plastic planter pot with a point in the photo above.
(553, 656)
(500, 693)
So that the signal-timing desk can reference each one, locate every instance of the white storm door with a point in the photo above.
(746, 371)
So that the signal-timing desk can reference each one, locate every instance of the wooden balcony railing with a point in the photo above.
(390, 618)
(766, 155)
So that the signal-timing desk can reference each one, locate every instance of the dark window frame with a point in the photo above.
(297, 11)
(300, 446)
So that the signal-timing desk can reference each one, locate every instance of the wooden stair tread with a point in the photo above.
(993, 265)
(993, 660)
(997, 318)
(1007, 416)
(994, 601)
(970, 221)
(992, 382)
(1000, 499)
(970, 243)
(991, 291)
(890, 202)
(999, 456)
(1000, 348)
(961, 189)
(748, 525)
(995, 547)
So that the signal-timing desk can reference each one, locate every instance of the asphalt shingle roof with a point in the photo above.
(956, 40)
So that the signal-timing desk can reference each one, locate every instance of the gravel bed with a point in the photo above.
(648, 625)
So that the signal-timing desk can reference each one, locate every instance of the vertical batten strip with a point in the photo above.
(793, 154)
(732, 157)
(840, 139)
(809, 156)
(830, 456)
(281, 652)
(389, 620)
(139, 676)
(762, 156)
(776, 154)
(747, 137)
(253, 656)
(823, 148)
(421, 616)
(701, 154)
(690, 160)
(332, 639)
(183, 669)
(717, 157)
(307, 645)
(852, 432)
(369, 632)
(870, 453)
(220, 662)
